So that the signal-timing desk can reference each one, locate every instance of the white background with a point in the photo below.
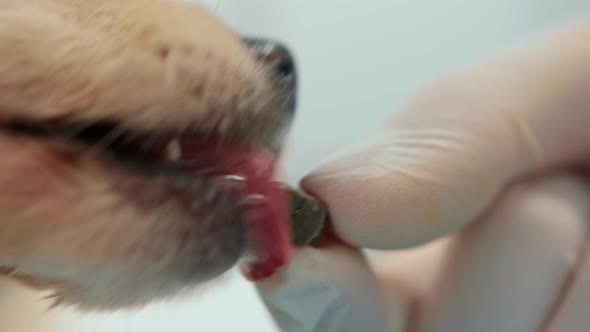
(358, 61)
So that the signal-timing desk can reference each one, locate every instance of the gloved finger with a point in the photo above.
(571, 313)
(331, 289)
(445, 158)
(507, 272)
(410, 274)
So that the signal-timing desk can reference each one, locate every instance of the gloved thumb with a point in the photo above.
(441, 161)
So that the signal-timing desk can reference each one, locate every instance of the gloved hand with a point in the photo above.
(479, 186)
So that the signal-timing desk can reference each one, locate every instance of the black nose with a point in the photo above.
(279, 65)
(274, 55)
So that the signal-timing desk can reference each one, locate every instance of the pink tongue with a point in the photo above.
(248, 173)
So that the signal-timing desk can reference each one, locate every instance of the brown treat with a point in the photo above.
(309, 217)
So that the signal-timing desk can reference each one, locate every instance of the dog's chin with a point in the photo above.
(67, 293)
(126, 295)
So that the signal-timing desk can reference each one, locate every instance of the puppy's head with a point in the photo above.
(138, 140)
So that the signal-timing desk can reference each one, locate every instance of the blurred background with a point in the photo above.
(358, 62)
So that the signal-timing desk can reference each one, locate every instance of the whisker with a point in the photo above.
(50, 296)
(111, 136)
(74, 129)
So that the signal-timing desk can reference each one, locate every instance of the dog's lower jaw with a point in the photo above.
(102, 238)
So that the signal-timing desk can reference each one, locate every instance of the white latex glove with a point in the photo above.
(481, 179)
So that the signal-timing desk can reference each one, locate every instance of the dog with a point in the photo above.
(140, 139)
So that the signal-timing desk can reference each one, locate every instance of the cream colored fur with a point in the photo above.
(66, 225)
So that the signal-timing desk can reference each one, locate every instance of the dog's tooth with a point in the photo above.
(232, 181)
(173, 150)
(252, 200)
(233, 177)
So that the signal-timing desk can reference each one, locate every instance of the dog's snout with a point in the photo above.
(280, 63)
(276, 56)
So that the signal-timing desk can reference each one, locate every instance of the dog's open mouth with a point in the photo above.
(244, 172)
